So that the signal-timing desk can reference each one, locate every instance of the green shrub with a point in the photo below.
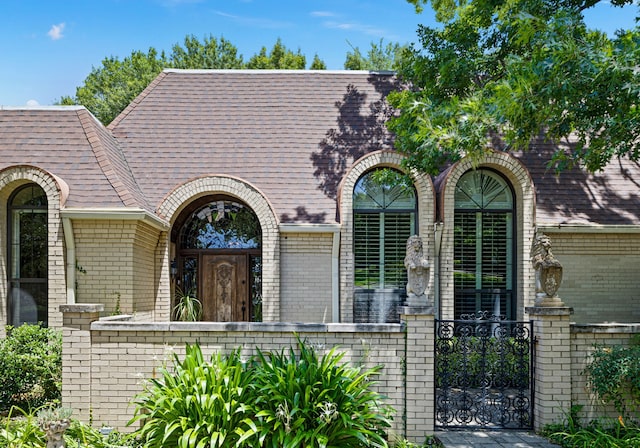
(30, 367)
(273, 400)
(614, 376)
(309, 401)
(200, 404)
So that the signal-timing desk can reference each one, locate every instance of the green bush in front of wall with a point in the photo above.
(273, 400)
(308, 400)
(30, 367)
(613, 374)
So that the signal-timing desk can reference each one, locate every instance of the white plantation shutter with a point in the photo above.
(383, 219)
(483, 245)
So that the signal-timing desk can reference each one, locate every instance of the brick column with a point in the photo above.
(552, 378)
(419, 372)
(76, 357)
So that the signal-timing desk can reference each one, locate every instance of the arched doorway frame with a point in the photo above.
(426, 217)
(184, 194)
(57, 192)
(524, 198)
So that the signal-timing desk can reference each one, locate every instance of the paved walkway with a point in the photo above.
(498, 439)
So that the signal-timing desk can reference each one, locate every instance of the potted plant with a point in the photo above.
(188, 308)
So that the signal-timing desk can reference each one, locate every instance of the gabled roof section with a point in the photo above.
(70, 143)
(293, 134)
(111, 160)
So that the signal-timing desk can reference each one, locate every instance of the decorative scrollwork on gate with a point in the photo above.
(483, 372)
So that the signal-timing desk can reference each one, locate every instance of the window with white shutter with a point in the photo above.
(484, 245)
(384, 215)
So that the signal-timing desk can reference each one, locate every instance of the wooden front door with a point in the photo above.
(225, 291)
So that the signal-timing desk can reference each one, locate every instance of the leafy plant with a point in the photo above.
(188, 307)
(614, 376)
(201, 404)
(20, 429)
(607, 433)
(312, 401)
(273, 400)
(30, 367)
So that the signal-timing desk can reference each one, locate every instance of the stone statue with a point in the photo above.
(55, 433)
(417, 273)
(548, 271)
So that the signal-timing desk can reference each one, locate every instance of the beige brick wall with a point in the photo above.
(305, 276)
(600, 275)
(120, 360)
(584, 338)
(104, 249)
(146, 273)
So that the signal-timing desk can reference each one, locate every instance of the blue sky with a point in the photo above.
(48, 47)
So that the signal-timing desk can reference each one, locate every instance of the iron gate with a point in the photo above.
(484, 372)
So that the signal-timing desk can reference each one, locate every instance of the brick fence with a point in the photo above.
(105, 361)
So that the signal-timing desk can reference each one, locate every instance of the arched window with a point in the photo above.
(27, 227)
(219, 244)
(484, 245)
(384, 214)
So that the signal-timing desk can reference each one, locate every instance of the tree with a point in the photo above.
(280, 57)
(379, 57)
(504, 71)
(317, 63)
(111, 87)
(211, 53)
(108, 89)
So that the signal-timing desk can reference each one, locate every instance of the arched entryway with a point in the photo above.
(218, 242)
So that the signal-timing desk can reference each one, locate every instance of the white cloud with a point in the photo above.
(33, 103)
(358, 27)
(255, 22)
(322, 14)
(55, 33)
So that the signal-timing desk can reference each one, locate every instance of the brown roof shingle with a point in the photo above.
(71, 144)
(292, 134)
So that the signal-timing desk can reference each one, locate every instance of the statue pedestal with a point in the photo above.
(418, 301)
(544, 301)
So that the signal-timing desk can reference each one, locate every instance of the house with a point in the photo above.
(263, 193)
(277, 197)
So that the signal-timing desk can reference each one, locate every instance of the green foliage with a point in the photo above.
(597, 434)
(312, 401)
(514, 69)
(211, 53)
(614, 376)
(280, 57)
(380, 56)
(200, 404)
(30, 367)
(110, 88)
(21, 429)
(188, 308)
(276, 399)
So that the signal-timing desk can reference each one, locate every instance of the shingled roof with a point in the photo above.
(291, 134)
(71, 144)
